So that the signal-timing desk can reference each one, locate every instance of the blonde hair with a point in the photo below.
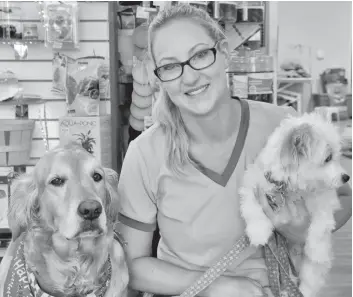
(165, 113)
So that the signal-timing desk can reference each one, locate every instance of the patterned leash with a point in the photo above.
(218, 269)
(282, 282)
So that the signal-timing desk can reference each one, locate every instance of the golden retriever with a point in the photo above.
(68, 207)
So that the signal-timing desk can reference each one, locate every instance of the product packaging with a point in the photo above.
(10, 22)
(60, 68)
(61, 24)
(82, 86)
(93, 133)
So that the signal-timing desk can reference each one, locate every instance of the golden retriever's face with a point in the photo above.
(68, 192)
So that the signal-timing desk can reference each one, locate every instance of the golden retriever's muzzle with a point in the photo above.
(90, 212)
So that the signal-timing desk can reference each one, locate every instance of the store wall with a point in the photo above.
(322, 25)
(35, 73)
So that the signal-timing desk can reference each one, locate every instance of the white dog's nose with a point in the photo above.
(89, 210)
(345, 178)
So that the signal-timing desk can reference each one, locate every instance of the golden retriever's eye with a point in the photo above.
(329, 158)
(57, 182)
(97, 177)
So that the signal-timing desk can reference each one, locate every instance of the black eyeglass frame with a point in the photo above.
(187, 62)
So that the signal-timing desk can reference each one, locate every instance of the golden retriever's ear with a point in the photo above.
(113, 205)
(23, 208)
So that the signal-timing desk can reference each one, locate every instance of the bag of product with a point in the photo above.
(82, 86)
(61, 24)
(60, 68)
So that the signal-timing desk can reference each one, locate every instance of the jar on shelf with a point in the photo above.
(237, 76)
(260, 78)
(10, 22)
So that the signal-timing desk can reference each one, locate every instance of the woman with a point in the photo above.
(183, 172)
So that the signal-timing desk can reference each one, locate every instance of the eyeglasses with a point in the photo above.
(199, 61)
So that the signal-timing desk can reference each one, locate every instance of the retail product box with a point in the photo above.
(93, 133)
(4, 195)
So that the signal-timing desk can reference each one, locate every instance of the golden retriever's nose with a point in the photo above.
(89, 210)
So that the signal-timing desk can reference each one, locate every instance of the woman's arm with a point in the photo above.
(298, 233)
(148, 274)
(343, 215)
(151, 275)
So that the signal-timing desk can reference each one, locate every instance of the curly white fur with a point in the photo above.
(303, 152)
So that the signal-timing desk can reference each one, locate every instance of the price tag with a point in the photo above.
(142, 13)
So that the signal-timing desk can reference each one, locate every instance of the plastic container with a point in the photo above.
(260, 78)
(126, 49)
(238, 76)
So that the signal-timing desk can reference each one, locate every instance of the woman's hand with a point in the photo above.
(294, 232)
(235, 286)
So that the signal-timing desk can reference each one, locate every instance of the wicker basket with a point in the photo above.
(15, 141)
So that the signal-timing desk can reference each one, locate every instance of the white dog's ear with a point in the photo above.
(297, 145)
(113, 203)
(23, 206)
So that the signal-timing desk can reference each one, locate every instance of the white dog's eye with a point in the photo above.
(329, 158)
(57, 182)
(97, 177)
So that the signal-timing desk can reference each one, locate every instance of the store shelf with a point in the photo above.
(23, 41)
(240, 33)
(24, 101)
(293, 79)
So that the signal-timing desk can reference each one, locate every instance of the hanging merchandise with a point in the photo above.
(104, 80)
(142, 90)
(126, 18)
(139, 72)
(140, 113)
(9, 86)
(141, 97)
(145, 13)
(82, 86)
(30, 31)
(137, 125)
(10, 22)
(61, 24)
(140, 101)
(60, 67)
(125, 48)
(140, 36)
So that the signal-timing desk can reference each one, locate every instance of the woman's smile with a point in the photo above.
(196, 91)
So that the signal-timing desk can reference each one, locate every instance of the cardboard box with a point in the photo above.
(93, 133)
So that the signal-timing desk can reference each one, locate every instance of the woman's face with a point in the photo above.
(197, 91)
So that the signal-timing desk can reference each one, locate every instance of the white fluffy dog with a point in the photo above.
(303, 156)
